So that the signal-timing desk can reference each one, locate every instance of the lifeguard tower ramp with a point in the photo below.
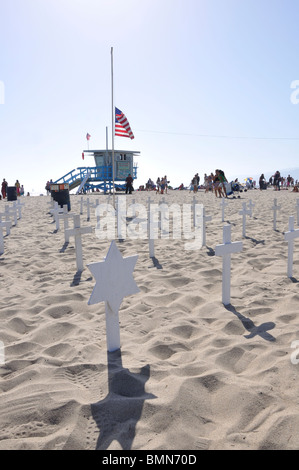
(101, 176)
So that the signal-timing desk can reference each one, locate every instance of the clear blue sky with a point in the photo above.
(205, 84)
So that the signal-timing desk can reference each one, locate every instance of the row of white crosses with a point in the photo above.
(114, 275)
(61, 213)
(14, 211)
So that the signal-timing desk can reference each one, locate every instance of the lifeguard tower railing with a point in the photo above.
(89, 178)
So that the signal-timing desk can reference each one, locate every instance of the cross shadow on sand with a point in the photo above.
(119, 412)
(156, 263)
(261, 330)
(64, 247)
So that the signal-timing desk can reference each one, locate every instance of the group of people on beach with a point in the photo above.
(160, 186)
(215, 182)
(278, 182)
(4, 186)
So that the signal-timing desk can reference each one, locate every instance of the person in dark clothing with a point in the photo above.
(129, 184)
(4, 188)
(276, 181)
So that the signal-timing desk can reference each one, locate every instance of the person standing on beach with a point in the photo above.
(17, 185)
(262, 182)
(166, 183)
(3, 188)
(163, 184)
(129, 184)
(222, 180)
(195, 184)
(276, 181)
(158, 183)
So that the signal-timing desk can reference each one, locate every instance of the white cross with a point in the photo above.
(150, 225)
(223, 205)
(244, 212)
(51, 204)
(81, 205)
(65, 216)
(76, 232)
(7, 223)
(1, 241)
(13, 212)
(121, 212)
(205, 218)
(18, 206)
(56, 211)
(275, 208)
(88, 209)
(225, 250)
(289, 237)
(297, 208)
(114, 281)
(251, 206)
(6, 214)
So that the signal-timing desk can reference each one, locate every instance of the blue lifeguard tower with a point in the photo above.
(100, 176)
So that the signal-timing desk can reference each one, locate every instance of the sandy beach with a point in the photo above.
(191, 374)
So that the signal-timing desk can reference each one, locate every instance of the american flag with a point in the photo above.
(122, 126)
(88, 136)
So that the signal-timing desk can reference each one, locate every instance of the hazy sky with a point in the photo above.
(205, 84)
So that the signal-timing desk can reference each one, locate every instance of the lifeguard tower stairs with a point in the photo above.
(101, 176)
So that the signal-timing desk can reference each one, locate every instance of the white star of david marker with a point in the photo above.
(114, 281)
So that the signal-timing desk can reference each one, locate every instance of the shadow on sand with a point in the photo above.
(119, 412)
(248, 324)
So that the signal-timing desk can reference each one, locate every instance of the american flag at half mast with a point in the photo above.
(122, 126)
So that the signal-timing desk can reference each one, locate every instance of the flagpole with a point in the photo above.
(113, 124)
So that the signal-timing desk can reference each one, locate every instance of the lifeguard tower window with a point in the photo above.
(99, 160)
(123, 156)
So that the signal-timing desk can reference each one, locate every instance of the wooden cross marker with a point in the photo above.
(275, 208)
(244, 212)
(289, 237)
(76, 232)
(114, 281)
(225, 250)
(223, 205)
